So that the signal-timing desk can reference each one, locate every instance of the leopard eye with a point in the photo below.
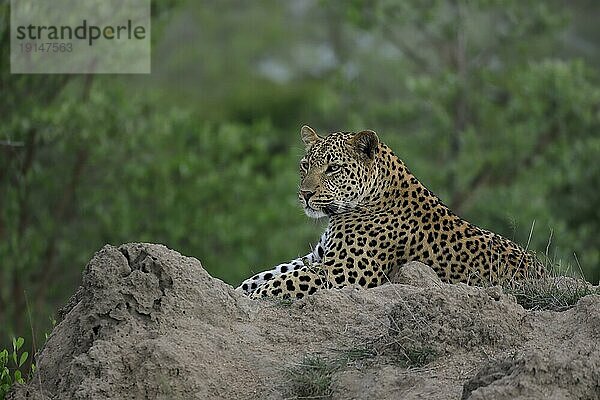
(333, 168)
(304, 165)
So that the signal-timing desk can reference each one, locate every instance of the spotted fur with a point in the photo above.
(380, 217)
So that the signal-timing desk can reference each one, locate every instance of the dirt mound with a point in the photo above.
(562, 362)
(148, 322)
(456, 317)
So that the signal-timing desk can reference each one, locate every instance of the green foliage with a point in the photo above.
(184, 184)
(475, 97)
(488, 103)
(12, 366)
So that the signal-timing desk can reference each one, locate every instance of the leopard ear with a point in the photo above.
(309, 136)
(366, 143)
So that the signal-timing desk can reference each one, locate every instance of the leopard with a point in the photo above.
(380, 217)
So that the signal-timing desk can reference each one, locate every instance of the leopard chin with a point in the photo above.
(312, 213)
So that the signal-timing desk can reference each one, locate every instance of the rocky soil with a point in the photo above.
(149, 323)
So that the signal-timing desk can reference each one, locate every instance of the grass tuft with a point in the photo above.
(358, 353)
(413, 355)
(311, 379)
(418, 356)
(553, 293)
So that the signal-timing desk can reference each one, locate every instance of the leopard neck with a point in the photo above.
(393, 179)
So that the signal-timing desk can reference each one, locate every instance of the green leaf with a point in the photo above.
(14, 357)
(23, 358)
(18, 377)
(20, 342)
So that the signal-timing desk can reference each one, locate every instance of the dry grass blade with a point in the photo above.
(552, 293)
(311, 379)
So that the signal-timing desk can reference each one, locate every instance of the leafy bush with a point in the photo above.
(11, 366)
(224, 193)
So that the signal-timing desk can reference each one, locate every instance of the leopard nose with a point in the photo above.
(306, 194)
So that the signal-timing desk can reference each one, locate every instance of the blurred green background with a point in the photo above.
(493, 104)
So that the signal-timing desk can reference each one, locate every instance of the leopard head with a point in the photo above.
(337, 171)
